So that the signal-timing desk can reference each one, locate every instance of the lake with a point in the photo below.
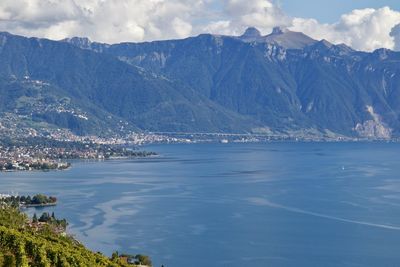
(273, 204)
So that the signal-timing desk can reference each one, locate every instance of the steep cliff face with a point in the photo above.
(375, 127)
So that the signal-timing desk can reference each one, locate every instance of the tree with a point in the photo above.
(9, 260)
(143, 260)
(39, 199)
(9, 166)
(114, 255)
(45, 217)
(34, 219)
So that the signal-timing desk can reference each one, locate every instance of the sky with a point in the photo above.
(362, 24)
(330, 11)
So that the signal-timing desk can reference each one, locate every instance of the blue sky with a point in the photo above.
(330, 11)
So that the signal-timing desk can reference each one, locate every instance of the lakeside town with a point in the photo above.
(52, 149)
(49, 154)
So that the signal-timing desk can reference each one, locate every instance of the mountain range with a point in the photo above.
(284, 83)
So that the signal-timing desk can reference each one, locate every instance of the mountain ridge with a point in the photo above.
(249, 82)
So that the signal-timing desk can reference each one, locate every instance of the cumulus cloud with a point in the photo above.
(362, 29)
(101, 20)
(136, 20)
(395, 33)
(114, 21)
(262, 14)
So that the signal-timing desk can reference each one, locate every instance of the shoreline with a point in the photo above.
(70, 166)
(37, 170)
(38, 205)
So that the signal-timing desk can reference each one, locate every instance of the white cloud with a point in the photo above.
(363, 29)
(240, 14)
(101, 20)
(114, 21)
(395, 33)
(181, 28)
(136, 20)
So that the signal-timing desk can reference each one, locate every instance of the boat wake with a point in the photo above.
(265, 202)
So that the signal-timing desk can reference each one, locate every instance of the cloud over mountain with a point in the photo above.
(114, 21)
(363, 29)
(102, 20)
(395, 33)
(240, 14)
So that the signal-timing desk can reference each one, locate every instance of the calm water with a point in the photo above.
(280, 204)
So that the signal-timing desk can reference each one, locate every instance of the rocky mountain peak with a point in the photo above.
(278, 30)
(251, 32)
(288, 39)
(82, 42)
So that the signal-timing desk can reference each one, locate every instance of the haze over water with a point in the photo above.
(276, 204)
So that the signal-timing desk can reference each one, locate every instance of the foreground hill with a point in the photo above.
(284, 83)
(21, 245)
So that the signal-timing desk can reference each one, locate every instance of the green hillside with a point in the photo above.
(23, 245)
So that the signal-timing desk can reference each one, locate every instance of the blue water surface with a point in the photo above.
(274, 204)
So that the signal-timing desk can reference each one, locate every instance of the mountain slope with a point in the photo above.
(286, 80)
(284, 83)
(105, 88)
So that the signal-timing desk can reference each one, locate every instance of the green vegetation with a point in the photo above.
(51, 220)
(28, 201)
(12, 218)
(132, 259)
(23, 245)
(41, 199)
